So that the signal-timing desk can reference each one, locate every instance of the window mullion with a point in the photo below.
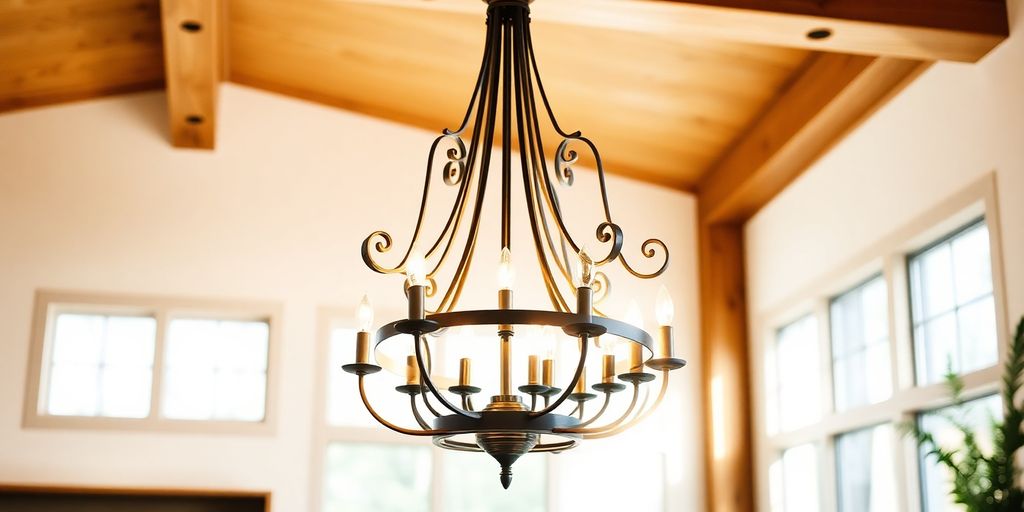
(901, 345)
(156, 394)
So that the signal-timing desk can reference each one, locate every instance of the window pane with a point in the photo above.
(977, 329)
(936, 480)
(471, 484)
(953, 308)
(798, 374)
(381, 478)
(101, 365)
(860, 346)
(864, 466)
(971, 264)
(344, 406)
(216, 370)
(794, 480)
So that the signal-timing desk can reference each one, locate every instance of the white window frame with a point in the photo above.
(50, 303)
(888, 257)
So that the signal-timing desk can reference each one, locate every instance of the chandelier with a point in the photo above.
(554, 418)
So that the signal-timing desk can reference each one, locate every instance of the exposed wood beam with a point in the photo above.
(833, 94)
(724, 370)
(193, 57)
(823, 102)
(958, 30)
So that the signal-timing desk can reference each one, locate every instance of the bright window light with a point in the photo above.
(865, 470)
(215, 370)
(861, 371)
(953, 306)
(471, 484)
(377, 477)
(101, 365)
(798, 374)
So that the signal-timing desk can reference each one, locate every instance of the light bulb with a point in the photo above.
(607, 346)
(664, 309)
(416, 268)
(364, 312)
(548, 342)
(634, 316)
(506, 271)
(584, 275)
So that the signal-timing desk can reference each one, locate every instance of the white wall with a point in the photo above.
(954, 124)
(93, 198)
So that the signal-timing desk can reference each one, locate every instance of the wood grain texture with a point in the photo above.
(831, 96)
(728, 447)
(958, 30)
(193, 47)
(57, 51)
(659, 110)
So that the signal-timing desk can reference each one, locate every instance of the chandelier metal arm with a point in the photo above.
(427, 381)
(579, 429)
(604, 407)
(416, 413)
(388, 424)
(640, 416)
(580, 368)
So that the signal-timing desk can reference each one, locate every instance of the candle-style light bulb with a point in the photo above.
(664, 308)
(548, 364)
(635, 317)
(416, 268)
(364, 312)
(583, 277)
(506, 271)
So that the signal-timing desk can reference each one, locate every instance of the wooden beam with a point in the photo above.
(833, 94)
(725, 370)
(193, 58)
(958, 30)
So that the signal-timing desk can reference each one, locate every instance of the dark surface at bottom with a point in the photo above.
(72, 502)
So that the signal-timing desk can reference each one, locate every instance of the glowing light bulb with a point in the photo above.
(607, 346)
(633, 314)
(364, 312)
(506, 271)
(416, 268)
(664, 308)
(548, 342)
(584, 274)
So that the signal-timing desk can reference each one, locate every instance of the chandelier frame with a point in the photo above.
(507, 428)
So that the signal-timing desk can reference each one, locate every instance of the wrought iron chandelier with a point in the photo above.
(507, 427)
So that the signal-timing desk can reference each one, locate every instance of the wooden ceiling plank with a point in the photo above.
(957, 30)
(193, 47)
(820, 106)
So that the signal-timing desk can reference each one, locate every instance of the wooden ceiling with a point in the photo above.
(669, 90)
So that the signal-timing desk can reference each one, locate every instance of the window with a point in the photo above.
(794, 480)
(953, 306)
(125, 362)
(100, 365)
(399, 476)
(936, 479)
(797, 374)
(215, 369)
(471, 484)
(866, 471)
(928, 298)
(861, 370)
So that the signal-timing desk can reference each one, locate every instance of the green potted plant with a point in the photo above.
(985, 482)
